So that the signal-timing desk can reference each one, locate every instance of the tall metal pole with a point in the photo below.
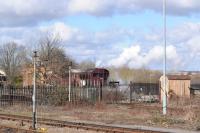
(164, 60)
(34, 91)
(69, 95)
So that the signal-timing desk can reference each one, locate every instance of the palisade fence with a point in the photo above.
(55, 95)
(47, 95)
(144, 92)
(195, 89)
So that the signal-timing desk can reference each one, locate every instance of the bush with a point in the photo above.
(57, 97)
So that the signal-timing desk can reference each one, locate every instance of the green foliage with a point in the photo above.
(18, 81)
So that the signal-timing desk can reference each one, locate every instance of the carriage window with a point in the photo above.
(4, 78)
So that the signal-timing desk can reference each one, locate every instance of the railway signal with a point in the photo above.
(34, 90)
(69, 95)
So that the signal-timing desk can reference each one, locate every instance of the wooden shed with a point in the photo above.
(178, 85)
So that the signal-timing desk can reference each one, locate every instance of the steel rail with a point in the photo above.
(10, 129)
(77, 125)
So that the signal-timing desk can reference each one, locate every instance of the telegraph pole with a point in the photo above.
(34, 90)
(164, 60)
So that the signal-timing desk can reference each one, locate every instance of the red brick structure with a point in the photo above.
(95, 77)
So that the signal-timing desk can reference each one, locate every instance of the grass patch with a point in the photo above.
(166, 120)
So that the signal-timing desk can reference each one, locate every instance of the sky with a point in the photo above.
(109, 32)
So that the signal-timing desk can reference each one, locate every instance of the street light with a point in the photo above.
(164, 59)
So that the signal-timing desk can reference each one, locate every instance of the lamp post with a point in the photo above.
(164, 60)
(34, 90)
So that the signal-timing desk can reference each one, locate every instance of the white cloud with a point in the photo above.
(32, 12)
(110, 7)
(184, 32)
(94, 7)
(194, 45)
(134, 57)
(110, 46)
(65, 32)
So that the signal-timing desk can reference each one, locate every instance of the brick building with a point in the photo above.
(79, 78)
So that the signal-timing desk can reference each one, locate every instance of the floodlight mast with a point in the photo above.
(164, 100)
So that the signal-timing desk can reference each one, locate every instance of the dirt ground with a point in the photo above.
(43, 128)
(181, 114)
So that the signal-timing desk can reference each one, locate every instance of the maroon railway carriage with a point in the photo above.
(95, 77)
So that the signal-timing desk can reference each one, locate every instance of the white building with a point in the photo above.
(2, 77)
(2, 73)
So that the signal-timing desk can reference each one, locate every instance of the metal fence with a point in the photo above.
(126, 93)
(10, 95)
(195, 89)
(48, 95)
(54, 95)
(144, 92)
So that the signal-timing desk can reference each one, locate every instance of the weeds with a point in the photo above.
(166, 120)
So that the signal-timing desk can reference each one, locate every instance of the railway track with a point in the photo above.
(77, 125)
(11, 129)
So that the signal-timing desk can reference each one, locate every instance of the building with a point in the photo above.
(63, 80)
(178, 85)
(27, 75)
(2, 78)
(79, 78)
(95, 77)
(2, 73)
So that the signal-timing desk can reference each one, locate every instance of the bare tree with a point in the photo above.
(12, 56)
(86, 64)
(50, 47)
(53, 56)
(142, 75)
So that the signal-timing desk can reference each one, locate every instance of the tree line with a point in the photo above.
(125, 75)
(51, 55)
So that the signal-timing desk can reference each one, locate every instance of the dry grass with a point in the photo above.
(187, 116)
(48, 129)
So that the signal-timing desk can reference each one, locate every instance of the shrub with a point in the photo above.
(57, 97)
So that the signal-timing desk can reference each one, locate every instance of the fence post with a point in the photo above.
(130, 86)
(10, 95)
